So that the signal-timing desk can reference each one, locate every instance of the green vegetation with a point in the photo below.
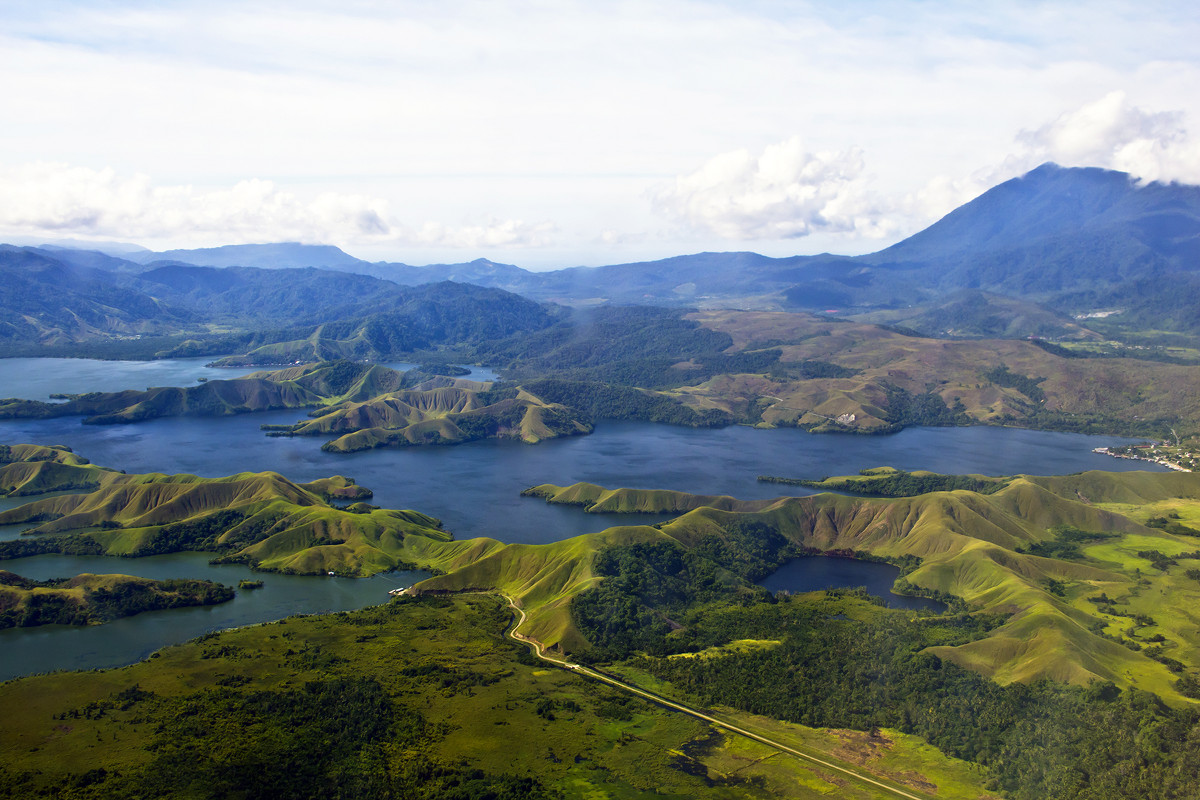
(364, 406)
(598, 500)
(422, 698)
(1066, 543)
(260, 519)
(442, 411)
(610, 401)
(889, 482)
(1031, 551)
(627, 346)
(302, 387)
(1050, 584)
(445, 369)
(94, 599)
(869, 668)
(699, 369)
(906, 408)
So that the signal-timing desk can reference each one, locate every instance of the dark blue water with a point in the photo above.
(813, 573)
(24, 651)
(474, 489)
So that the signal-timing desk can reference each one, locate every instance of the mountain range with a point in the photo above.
(1031, 256)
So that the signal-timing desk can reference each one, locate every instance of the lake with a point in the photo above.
(473, 488)
(813, 573)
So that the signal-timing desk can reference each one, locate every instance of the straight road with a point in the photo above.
(538, 650)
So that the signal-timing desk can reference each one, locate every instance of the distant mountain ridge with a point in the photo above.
(1055, 241)
(281, 255)
(51, 298)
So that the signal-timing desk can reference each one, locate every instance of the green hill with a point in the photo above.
(444, 411)
(1036, 551)
(261, 519)
(297, 387)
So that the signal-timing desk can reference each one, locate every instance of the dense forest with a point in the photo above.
(861, 666)
(93, 599)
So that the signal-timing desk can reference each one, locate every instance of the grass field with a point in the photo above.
(482, 704)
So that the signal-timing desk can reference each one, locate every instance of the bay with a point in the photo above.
(24, 651)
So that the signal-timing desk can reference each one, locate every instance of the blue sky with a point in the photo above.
(559, 133)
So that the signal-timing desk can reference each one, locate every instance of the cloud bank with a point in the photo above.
(58, 199)
(1114, 134)
(784, 192)
(787, 192)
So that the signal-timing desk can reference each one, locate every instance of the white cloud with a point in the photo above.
(1110, 133)
(1114, 134)
(58, 199)
(462, 112)
(783, 192)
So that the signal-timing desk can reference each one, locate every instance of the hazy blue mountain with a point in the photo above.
(1068, 240)
(117, 249)
(1056, 230)
(91, 259)
(44, 299)
(480, 272)
(280, 255)
(55, 297)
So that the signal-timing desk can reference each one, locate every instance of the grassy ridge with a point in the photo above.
(261, 519)
(302, 387)
(360, 406)
(891, 482)
(541, 578)
(444, 411)
(983, 548)
(598, 500)
(1001, 553)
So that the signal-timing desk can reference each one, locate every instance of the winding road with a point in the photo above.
(539, 651)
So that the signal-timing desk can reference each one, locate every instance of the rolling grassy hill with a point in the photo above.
(261, 519)
(1090, 585)
(1002, 553)
(443, 411)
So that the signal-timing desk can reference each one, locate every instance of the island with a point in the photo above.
(95, 599)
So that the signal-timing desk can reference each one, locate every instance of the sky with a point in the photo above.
(553, 134)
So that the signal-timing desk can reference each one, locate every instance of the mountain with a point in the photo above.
(1073, 241)
(281, 255)
(117, 249)
(1050, 245)
(480, 272)
(1054, 230)
(255, 296)
(51, 297)
(47, 300)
